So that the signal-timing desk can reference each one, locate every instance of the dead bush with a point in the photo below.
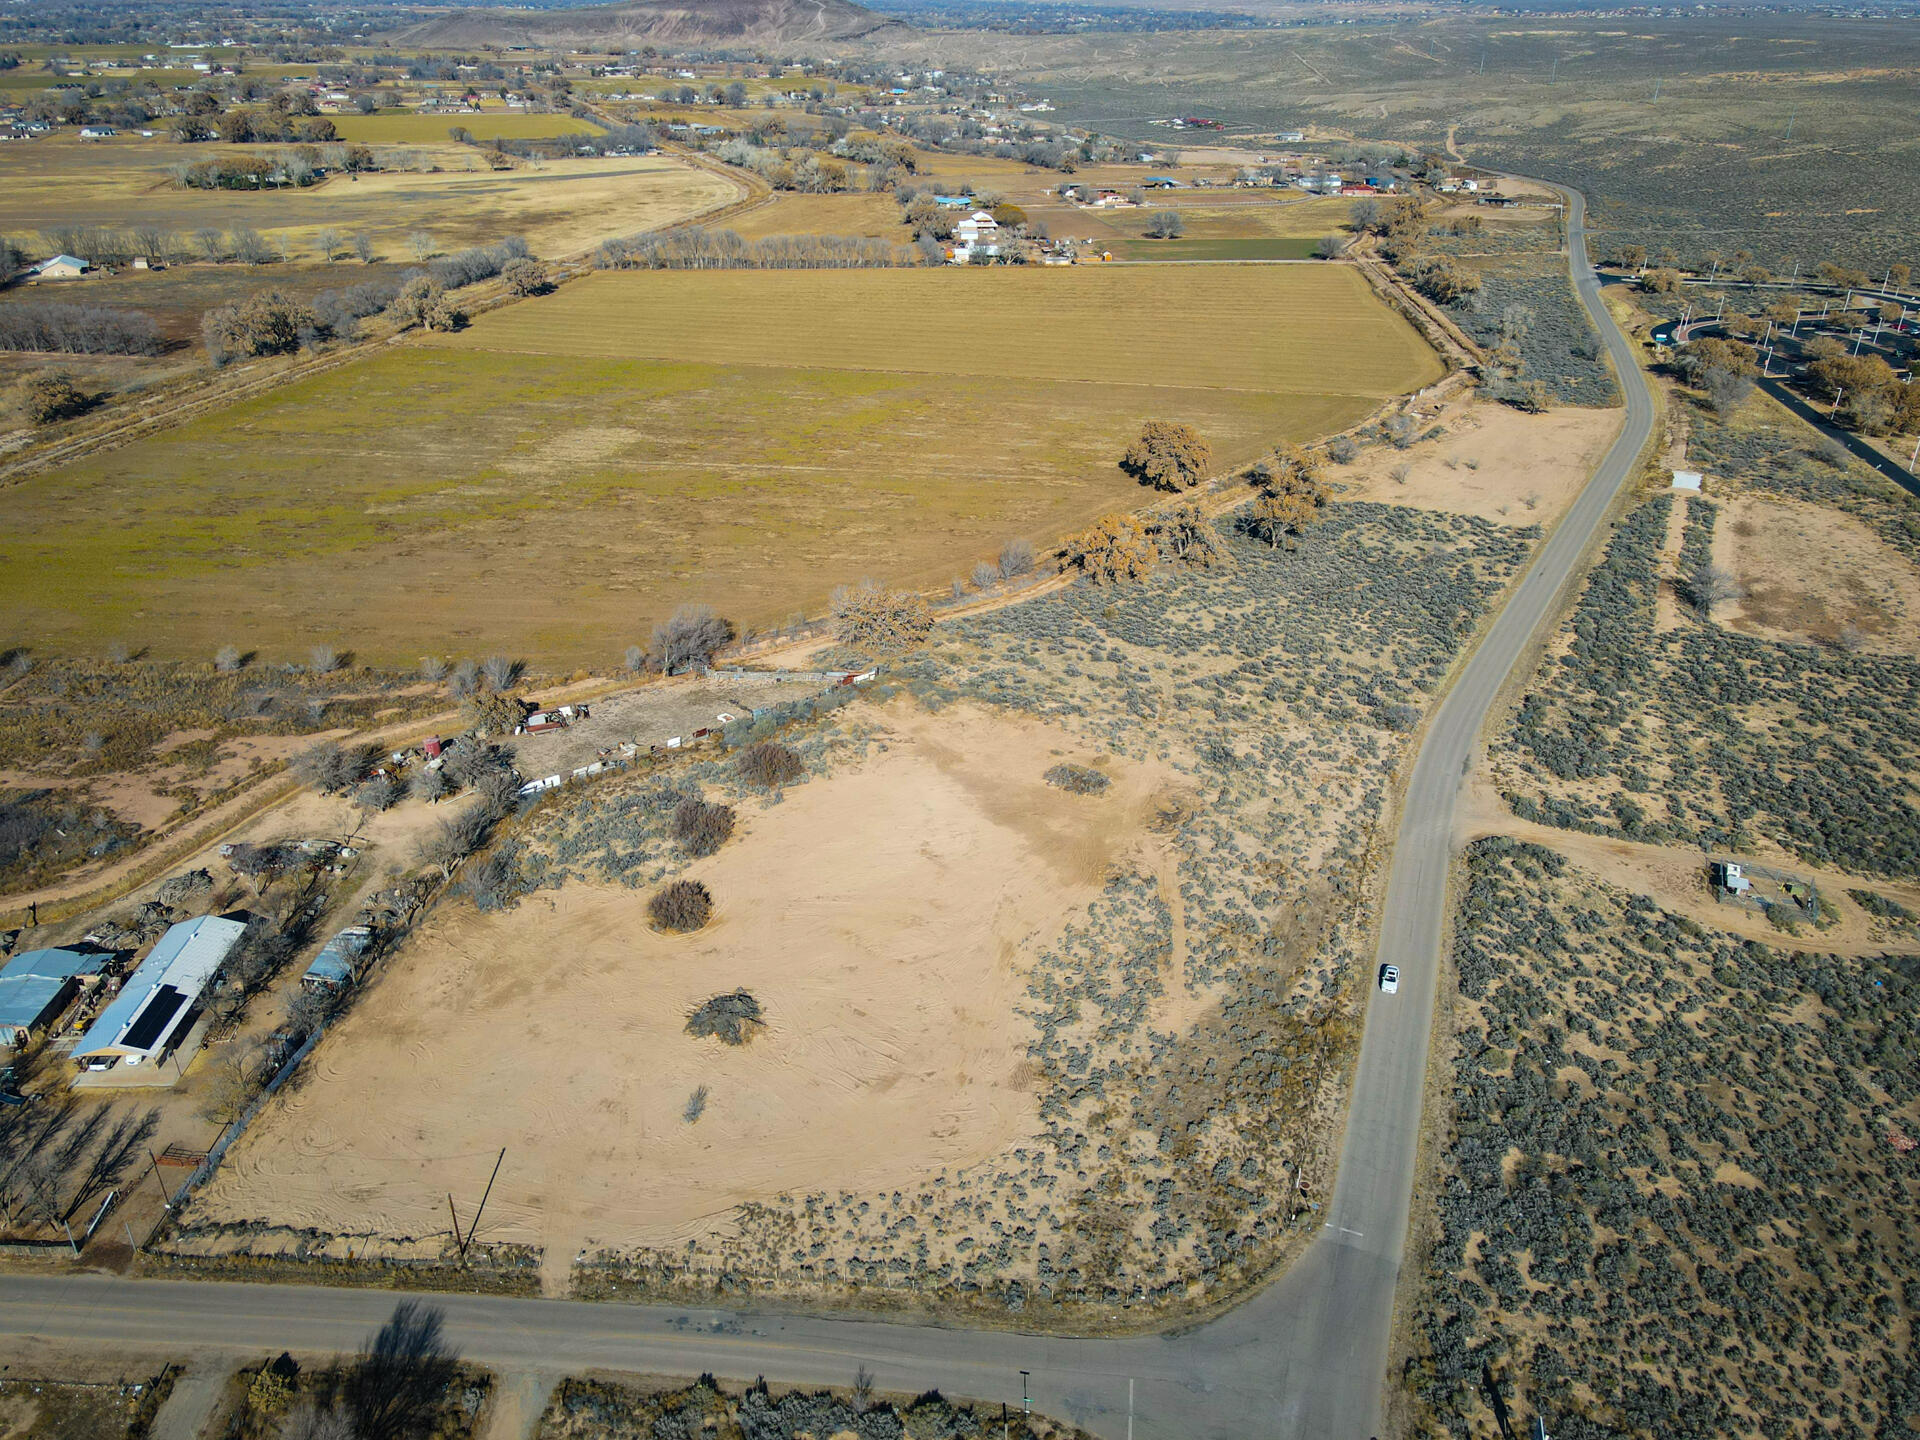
(769, 765)
(702, 828)
(682, 906)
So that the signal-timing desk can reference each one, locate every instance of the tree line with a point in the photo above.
(78, 329)
(701, 249)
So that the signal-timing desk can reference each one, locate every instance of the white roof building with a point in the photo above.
(157, 1005)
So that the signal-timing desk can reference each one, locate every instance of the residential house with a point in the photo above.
(59, 267)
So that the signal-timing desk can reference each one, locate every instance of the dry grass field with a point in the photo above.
(1305, 329)
(559, 206)
(563, 474)
(406, 127)
(790, 213)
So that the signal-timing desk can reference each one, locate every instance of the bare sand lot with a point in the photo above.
(1494, 463)
(876, 914)
(1810, 573)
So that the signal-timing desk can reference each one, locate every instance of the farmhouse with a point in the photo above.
(37, 987)
(59, 267)
(976, 227)
(97, 132)
(332, 968)
(160, 1001)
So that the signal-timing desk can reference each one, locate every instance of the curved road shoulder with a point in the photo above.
(1306, 1357)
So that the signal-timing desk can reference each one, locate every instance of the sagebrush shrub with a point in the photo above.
(700, 827)
(1078, 778)
(681, 906)
(769, 764)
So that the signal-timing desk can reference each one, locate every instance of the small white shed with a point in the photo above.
(1687, 480)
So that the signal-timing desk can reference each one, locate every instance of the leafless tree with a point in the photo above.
(986, 575)
(376, 795)
(1016, 558)
(433, 667)
(455, 838)
(249, 247)
(363, 247)
(228, 659)
(329, 242)
(330, 767)
(689, 637)
(428, 784)
(501, 671)
(325, 659)
(464, 679)
(1712, 586)
(421, 244)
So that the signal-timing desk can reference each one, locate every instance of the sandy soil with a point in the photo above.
(1493, 462)
(1675, 877)
(1810, 572)
(875, 913)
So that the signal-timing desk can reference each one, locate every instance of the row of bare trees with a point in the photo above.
(700, 249)
(78, 329)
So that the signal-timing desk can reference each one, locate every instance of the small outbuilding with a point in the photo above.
(1687, 480)
(333, 967)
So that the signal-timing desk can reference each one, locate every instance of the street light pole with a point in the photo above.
(1026, 1401)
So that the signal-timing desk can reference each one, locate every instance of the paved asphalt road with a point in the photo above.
(1304, 1358)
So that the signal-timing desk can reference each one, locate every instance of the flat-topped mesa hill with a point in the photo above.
(681, 22)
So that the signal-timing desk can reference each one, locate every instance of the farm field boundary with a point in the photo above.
(427, 495)
(1264, 328)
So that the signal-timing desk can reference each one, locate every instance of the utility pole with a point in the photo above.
(1789, 134)
(1656, 89)
(1483, 59)
(1554, 78)
(161, 1180)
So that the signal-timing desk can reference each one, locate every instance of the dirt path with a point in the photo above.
(519, 1400)
(188, 1409)
(1675, 876)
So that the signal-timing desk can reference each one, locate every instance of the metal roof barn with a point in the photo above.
(36, 986)
(334, 964)
(148, 1016)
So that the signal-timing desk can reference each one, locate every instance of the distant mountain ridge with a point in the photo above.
(678, 22)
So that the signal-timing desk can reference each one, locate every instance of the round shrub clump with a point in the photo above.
(684, 905)
(731, 1019)
(1080, 779)
(702, 828)
(769, 764)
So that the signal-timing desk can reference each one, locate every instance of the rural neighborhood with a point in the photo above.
(958, 717)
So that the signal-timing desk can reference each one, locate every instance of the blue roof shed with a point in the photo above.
(333, 966)
(35, 988)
